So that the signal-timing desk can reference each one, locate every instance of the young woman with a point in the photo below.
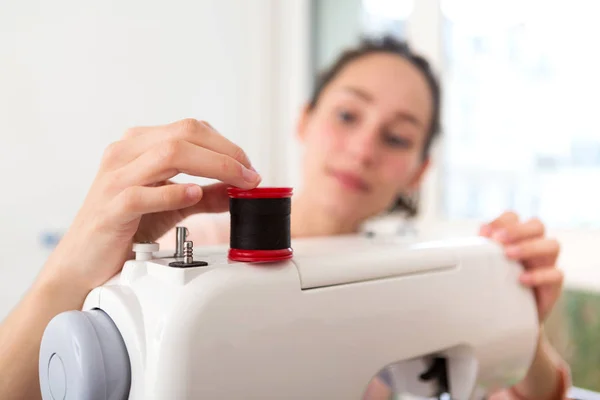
(367, 134)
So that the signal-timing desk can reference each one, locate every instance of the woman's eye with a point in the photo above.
(397, 141)
(346, 116)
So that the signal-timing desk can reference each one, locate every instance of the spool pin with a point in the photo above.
(260, 224)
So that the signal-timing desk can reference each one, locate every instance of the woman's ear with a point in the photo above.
(302, 122)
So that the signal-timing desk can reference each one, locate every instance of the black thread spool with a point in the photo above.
(260, 224)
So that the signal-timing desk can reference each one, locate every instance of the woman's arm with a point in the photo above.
(21, 334)
(130, 200)
(548, 377)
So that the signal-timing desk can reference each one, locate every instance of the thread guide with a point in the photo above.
(185, 249)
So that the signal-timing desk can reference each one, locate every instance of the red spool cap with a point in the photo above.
(260, 255)
(259, 193)
(243, 255)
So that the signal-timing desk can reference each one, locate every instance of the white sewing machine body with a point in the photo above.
(318, 326)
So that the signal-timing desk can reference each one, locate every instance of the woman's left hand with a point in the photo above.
(526, 242)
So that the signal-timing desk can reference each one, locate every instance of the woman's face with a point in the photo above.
(363, 141)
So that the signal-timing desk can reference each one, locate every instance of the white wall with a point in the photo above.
(75, 74)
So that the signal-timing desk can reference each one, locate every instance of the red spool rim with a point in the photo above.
(260, 193)
(260, 255)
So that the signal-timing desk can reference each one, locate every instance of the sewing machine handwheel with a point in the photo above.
(83, 357)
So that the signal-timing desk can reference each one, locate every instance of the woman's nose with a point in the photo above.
(363, 146)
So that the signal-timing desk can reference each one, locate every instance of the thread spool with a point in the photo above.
(260, 224)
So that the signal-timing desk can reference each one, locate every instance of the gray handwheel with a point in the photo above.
(83, 357)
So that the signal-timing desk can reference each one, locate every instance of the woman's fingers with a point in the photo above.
(533, 248)
(215, 199)
(164, 161)
(547, 285)
(518, 232)
(142, 130)
(506, 219)
(140, 140)
(547, 276)
(197, 132)
(136, 201)
(526, 243)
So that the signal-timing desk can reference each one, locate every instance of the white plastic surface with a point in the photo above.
(321, 325)
(83, 357)
(144, 251)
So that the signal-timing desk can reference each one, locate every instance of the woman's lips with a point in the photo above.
(350, 180)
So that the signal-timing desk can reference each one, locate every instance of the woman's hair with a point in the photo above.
(391, 45)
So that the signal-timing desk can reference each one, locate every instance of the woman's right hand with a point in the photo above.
(132, 199)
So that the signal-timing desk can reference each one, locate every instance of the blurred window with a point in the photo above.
(520, 88)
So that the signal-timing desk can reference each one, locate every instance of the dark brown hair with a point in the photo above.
(391, 45)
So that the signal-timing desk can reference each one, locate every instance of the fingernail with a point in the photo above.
(512, 251)
(501, 236)
(192, 192)
(485, 230)
(250, 175)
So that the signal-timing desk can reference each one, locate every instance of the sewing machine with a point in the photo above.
(443, 316)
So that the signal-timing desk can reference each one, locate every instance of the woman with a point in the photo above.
(367, 134)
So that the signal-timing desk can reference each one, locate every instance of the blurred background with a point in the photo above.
(520, 81)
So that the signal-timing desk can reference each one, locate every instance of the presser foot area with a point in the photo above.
(438, 374)
(434, 376)
(443, 375)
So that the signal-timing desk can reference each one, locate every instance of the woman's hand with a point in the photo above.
(131, 197)
(526, 242)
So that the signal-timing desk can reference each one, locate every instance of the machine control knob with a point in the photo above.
(143, 251)
(83, 357)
